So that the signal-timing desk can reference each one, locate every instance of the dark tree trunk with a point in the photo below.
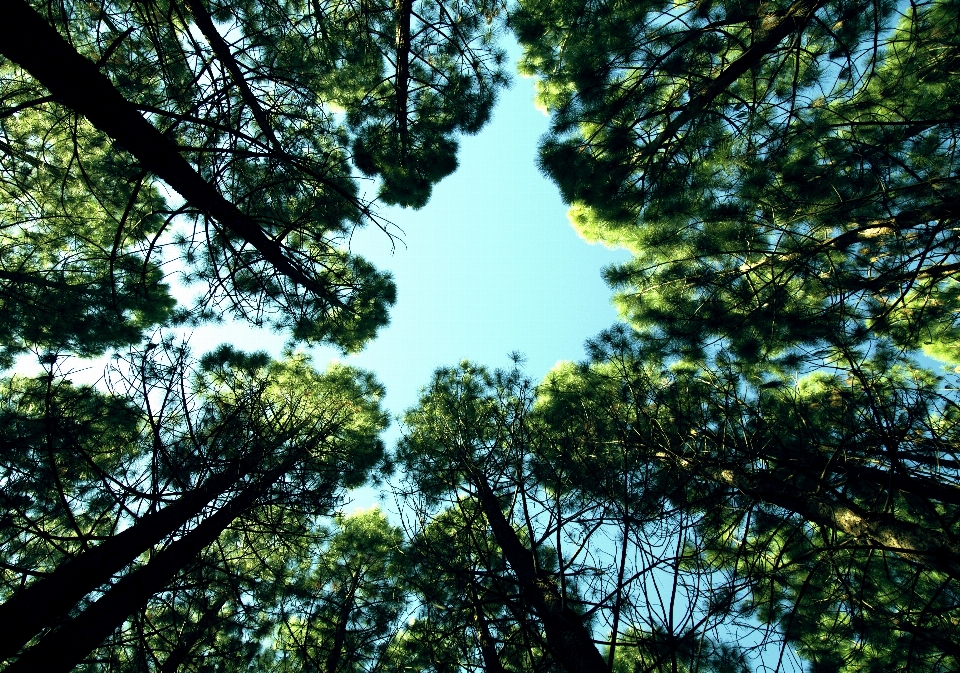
(488, 646)
(41, 604)
(343, 619)
(404, 11)
(75, 81)
(64, 648)
(566, 635)
(187, 641)
(219, 46)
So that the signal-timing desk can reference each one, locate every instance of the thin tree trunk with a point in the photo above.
(205, 23)
(41, 604)
(186, 642)
(618, 605)
(343, 618)
(566, 634)
(404, 10)
(63, 649)
(75, 81)
(488, 646)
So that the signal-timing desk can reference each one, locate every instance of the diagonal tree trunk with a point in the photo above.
(488, 646)
(186, 642)
(343, 620)
(64, 648)
(29, 41)
(205, 23)
(566, 634)
(41, 604)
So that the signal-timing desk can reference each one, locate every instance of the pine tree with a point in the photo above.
(691, 517)
(824, 511)
(785, 177)
(468, 612)
(244, 438)
(578, 550)
(255, 114)
(341, 608)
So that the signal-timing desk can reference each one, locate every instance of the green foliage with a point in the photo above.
(600, 519)
(75, 273)
(335, 415)
(785, 177)
(469, 432)
(343, 599)
(273, 104)
(81, 466)
(639, 651)
(404, 125)
(59, 444)
(775, 191)
(769, 477)
(759, 477)
(274, 599)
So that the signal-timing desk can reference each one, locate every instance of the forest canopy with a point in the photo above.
(756, 470)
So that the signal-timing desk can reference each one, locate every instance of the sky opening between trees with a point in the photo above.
(755, 469)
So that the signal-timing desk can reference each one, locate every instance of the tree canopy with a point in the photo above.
(757, 471)
(784, 173)
(255, 115)
(213, 147)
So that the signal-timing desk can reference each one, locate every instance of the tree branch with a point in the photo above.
(28, 40)
(767, 38)
(225, 56)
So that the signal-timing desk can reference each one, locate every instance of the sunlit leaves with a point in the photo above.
(804, 199)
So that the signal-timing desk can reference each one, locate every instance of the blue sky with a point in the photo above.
(489, 266)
